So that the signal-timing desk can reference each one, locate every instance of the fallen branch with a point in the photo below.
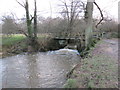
(71, 71)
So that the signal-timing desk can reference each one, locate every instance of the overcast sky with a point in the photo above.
(110, 7)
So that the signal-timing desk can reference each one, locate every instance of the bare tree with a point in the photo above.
(32, 32)
(71, 11)
(89, 21)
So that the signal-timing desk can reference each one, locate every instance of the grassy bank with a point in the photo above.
(15, 44)
(99, 70)
(12, 39)
(11, 45)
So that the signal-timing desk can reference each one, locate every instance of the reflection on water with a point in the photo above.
(41, 70)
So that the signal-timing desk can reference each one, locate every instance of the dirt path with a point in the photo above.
(100, 70)
(108, 47)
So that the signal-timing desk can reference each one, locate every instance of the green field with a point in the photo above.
(13, 39)
(6, 41)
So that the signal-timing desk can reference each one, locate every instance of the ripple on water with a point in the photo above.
(39, 70)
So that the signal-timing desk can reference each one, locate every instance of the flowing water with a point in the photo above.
(40, 70)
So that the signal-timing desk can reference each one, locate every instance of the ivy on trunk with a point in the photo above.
(31, 30)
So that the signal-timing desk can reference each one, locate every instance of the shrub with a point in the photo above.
(110, 28)
(48, 43)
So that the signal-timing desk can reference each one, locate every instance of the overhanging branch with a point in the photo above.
(19, 28)
(100, 13)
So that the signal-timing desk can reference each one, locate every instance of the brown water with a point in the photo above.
(41, 70)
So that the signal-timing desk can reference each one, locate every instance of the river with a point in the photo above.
(39, 70)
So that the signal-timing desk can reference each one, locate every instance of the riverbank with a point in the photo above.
(100, 69)
(12, 45)
(17, 44)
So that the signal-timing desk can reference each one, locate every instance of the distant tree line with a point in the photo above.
(54, 25)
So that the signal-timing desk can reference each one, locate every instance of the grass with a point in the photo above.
(15, 44)
(11, 43)
(7, 41)
(98, 71)
(10, 40)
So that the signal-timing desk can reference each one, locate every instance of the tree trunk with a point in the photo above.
(119, 19)
(32, 42)
(89, 23)
(29, 27)
(35, 20)
(32, 32)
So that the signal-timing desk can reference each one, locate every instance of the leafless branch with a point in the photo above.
(19, 28)
(14, 16)
(31, 18)
(83, 4)
(102, 17)
(77, 14)
(20, 3)
(67, 11)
